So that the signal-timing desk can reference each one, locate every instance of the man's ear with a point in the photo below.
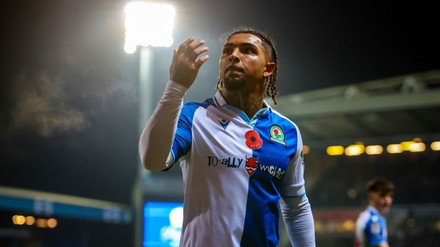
(270, 69)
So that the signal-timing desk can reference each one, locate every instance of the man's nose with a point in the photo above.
(234, 57)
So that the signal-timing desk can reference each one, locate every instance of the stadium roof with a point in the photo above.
(375, 112)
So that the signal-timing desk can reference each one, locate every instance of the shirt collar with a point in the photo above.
(220, 101)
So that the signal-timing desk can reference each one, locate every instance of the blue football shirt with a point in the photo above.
(235, 170)
(371, 228)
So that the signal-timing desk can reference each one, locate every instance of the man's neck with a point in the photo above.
(248, 103)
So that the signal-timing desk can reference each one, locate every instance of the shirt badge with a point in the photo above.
(375, 228)
(277, 134)
(253, 140)
(251, 165)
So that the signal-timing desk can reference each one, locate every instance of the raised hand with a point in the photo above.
(186, 61)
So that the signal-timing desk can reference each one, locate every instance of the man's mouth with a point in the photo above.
(234, 68)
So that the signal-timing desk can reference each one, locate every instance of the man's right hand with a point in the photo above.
(186, 61)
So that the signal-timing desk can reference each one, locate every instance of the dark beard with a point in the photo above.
(233, 85)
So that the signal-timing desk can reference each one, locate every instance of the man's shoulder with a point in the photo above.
(364, 216)
(189, 108)
(195, 104)
(282, 119)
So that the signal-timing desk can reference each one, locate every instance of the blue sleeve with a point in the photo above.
(183, 138)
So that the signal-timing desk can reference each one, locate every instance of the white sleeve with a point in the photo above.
(298, 219)
(157, 136)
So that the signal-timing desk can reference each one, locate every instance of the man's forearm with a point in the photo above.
(157, 136)
(298, 219)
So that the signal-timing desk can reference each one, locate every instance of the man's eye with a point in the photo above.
(248, 51)
(226, 51)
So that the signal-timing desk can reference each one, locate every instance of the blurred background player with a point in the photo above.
(371, 228)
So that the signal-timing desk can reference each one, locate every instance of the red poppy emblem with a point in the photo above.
(251, 165)
(253, 140)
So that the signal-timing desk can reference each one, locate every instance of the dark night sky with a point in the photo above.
(68, 115)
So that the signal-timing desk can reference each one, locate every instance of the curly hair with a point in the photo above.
(272, 53)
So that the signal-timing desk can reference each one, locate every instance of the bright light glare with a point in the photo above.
(18, 219)
(42, 223)
(435, 146)
(373, 149)
(406, 145)
(306, 149)
(354, 150)
(348, 225)
(335, 150)
(30, 220)
(417, 147)
(52, 223)
(148, 24)
(394, 148)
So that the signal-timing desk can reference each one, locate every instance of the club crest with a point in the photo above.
(277, 134)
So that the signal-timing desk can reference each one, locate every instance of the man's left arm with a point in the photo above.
(294, 204)
(298, 219)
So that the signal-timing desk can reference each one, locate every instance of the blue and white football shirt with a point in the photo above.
(371, 228)
(235, 170)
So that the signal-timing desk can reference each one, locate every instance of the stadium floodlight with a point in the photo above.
(148, 24)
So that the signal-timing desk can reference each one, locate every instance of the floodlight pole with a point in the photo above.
(147, 25)
(146, 97)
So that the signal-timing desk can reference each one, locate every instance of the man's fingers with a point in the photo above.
(200, 50)
(183, 47)
(187, 60)
(195, 44)
(201, 61)
(195, 49)
(191, 49)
